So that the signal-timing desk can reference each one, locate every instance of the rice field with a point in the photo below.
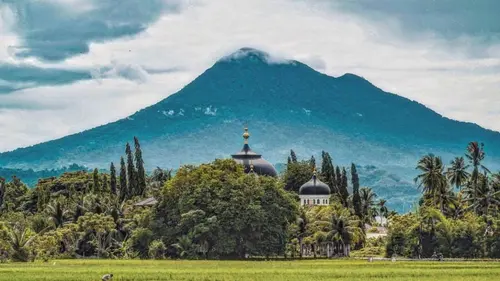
(90, 270)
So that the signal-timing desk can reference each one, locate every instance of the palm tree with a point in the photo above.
(432, 180)
(344, 229)
(475, 154)
(457, 174)
(382, 210)
(19, 237)
(367, 201)
(483, 197)
(302, 222)
(455, 205)
(495, 183)
(185, 246)
(57, 213)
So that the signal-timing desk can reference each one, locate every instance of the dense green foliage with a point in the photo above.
(305, 270)
(458, 215)
(224, 212)
(215, 210)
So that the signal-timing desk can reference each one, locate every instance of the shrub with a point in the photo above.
(157, 250)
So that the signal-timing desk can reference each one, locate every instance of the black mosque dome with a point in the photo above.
(314, 187)
(253, 162)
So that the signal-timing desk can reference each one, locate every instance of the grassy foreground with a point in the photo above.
(90, 270)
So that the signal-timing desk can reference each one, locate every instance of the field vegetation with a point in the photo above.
(347, 270)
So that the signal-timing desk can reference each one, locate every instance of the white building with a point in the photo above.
(314, 192)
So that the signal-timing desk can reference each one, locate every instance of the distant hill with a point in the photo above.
(30, 177)
(287, 105)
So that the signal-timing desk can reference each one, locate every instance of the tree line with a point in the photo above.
(458, 213)
(212, 210)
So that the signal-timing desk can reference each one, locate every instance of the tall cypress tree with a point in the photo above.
(332, 177)
(356, 199)
(112, 181)
(343, 190)
(293, 156)
(325, 167)
(313, 162)
(96, 183)
(123, 181)
(338, 178)
(104, 185)
(131, 172)
(2, 191)
(141, 172)
(328, 171)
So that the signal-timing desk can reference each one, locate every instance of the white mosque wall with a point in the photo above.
(314, 200)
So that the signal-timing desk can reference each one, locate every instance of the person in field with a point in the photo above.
(107, 277)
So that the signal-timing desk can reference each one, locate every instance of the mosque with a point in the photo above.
(253, 162)
(311, 193)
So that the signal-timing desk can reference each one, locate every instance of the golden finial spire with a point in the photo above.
(246, 135)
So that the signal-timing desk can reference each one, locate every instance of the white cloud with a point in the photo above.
(433, 71)
(8, 39)
(58, 111)
(118, 70)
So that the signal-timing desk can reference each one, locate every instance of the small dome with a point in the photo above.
(248, 158)
(260, 166)
(314, 187)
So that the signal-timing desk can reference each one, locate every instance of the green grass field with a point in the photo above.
(90, 270)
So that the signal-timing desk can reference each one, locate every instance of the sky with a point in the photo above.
(71, 65)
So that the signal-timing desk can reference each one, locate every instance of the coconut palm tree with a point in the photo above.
(475, 154)
(495, 181)
(382, 209)
(185, 246)
(302, 222)
(344, 230)
(483, 197)
(57, 214)
(455, 204)
(432, 180)
(367, 202)
(457, 174)
(19, 237)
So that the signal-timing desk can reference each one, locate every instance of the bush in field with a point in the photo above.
(374, 247)
(46, 246)
(157, 250)
(139, 242)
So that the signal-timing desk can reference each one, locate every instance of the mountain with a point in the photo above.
(287, 105)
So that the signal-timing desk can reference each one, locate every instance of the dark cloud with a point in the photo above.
(52, 32)
(17, 77)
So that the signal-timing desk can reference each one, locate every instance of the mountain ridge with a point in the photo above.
(261, 55)
(287, 105)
